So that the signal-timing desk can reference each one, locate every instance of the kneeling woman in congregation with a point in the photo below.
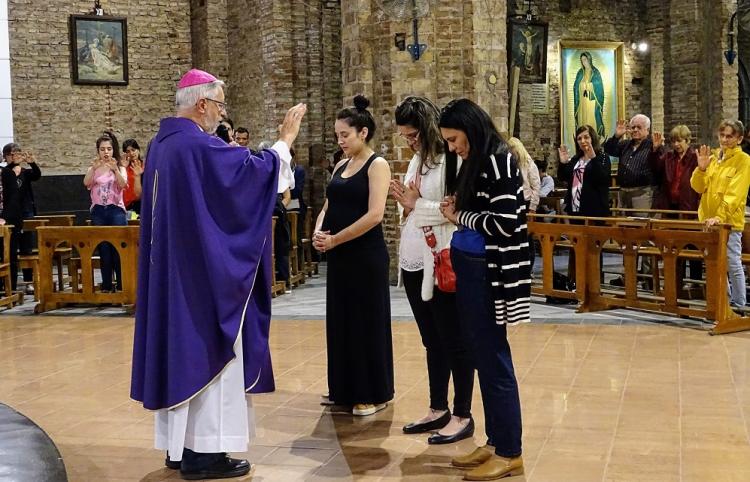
(489, 253)
(358, 309)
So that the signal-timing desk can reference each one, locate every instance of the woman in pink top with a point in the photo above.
(107, 179)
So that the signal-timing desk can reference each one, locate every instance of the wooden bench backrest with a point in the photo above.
(85, 240)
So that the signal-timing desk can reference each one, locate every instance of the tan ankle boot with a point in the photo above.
(479, 456)
(496, 467)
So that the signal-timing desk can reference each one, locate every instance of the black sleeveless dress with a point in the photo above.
(358, 304)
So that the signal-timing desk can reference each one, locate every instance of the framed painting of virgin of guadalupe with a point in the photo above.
(591, 87)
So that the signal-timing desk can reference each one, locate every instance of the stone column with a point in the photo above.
(657, 16)
(208, 27)
(702, 86)
(489, 55)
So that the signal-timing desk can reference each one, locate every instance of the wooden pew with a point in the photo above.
(85, 239)
(668, 240)
(296, 273)
(655, 213)
(63, 253)
(57, 219)
(31, 261)
(277, 287)
(310, 267)
(8, 297)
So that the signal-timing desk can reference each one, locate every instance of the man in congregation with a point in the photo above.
(634, 174)
(242, 136)
(204, 277)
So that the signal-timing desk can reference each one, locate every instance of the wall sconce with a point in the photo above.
(731, 54)
(641, 46)
(400, 41)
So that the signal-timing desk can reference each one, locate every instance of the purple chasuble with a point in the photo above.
(204, 268)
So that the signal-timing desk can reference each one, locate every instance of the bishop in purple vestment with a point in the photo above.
(204, 276)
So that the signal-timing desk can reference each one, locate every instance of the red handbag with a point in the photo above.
(444, 274)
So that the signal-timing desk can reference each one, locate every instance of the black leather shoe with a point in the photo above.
(466, 432)
(436, 424)
(224, 468)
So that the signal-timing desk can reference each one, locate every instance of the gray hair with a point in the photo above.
(640, 117)
(265, 145)
(189, 96)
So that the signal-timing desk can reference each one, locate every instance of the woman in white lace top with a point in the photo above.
(431, 172)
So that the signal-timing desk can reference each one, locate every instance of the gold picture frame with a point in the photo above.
(592, 87)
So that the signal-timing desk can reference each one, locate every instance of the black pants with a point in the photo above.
(15, 237)
(27, 247)
(447, 351)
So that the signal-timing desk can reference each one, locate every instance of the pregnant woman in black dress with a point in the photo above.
(358, 307)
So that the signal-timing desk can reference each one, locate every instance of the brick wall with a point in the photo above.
(60, 121)
(700, 88)
(289, 54)
(465, 40)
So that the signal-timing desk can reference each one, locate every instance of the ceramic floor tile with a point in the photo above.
(596, 398)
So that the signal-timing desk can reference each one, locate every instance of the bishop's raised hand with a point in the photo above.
(289, 129)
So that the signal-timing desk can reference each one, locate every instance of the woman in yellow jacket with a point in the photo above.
(722, 179)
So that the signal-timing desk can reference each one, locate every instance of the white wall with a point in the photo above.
(6, 111)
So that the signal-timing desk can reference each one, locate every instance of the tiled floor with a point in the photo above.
(611, 396)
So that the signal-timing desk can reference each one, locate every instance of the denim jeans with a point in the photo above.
(735, 273)
(489, 343)
(444, 343)
(109, 215)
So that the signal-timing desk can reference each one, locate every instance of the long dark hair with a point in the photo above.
(595, 142)
(222, 132)
(423, 115)
(128, 143)
(484, 141)
(109, 136)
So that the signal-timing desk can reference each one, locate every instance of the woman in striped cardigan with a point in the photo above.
(490, 256)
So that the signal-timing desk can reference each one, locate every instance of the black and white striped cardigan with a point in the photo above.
(499, 213)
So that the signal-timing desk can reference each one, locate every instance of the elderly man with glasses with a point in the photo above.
(634, 174)
(204, 277)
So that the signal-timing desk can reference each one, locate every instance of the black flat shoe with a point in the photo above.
(436, 424)
(224, 468)
(466, 432)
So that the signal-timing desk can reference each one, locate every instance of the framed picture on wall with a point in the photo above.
(99, 49)
(591, 87)
(527, 49)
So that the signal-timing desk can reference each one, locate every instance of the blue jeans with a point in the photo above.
(489, 343)
(109, 215)
(735, 272)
